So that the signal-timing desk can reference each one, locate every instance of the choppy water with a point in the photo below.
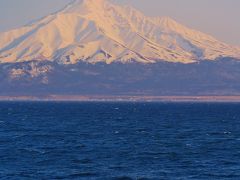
(119, 141)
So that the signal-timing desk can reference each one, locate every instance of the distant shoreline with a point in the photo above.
(89, 98)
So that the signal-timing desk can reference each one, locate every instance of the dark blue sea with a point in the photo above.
(73, 140)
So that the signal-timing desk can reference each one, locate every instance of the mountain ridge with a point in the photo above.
(100, 31)
(97, 48)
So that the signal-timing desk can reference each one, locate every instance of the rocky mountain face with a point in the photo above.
(97, 47)
(99, 31)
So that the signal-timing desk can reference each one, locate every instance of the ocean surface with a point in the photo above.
(73, 140)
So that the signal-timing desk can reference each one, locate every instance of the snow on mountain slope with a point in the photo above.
(98, 30)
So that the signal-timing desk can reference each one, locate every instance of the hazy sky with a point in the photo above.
(219, 18)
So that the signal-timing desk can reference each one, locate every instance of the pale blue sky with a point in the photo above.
(219, 18)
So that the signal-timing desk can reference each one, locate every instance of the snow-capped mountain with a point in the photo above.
(100, 31)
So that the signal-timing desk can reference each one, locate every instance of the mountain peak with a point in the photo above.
(89, 2)
(98, 30)
(81, 6)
